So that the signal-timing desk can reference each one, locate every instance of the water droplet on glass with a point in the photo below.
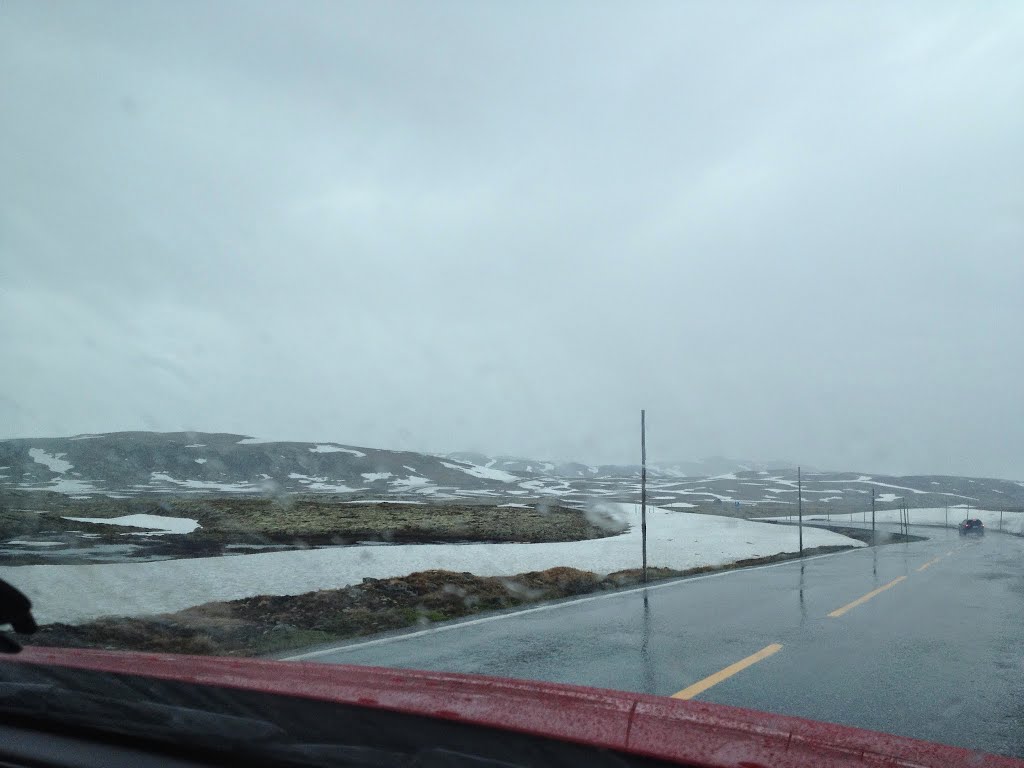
(606, 517)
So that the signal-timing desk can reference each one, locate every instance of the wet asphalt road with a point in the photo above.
(939, 655)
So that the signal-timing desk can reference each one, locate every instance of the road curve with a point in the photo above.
(920, 639)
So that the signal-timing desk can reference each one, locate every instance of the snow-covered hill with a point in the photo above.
(191, 463)
(716, 465)
(133, 463)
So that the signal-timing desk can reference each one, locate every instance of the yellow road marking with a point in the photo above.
(861, 600)
(933, 561)
(723, 674)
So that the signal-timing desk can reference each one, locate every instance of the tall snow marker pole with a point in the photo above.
(800, 508)
(643, 486)
(947, 515)
(873, 516)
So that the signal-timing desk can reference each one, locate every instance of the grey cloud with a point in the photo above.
(785, 230)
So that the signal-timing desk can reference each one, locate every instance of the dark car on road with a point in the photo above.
(974, 526)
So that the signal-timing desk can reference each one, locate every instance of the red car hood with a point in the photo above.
(687, 732)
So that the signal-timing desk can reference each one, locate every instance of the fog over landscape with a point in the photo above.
(790, 232)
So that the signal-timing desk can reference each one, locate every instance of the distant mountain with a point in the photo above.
(192, 462)
(715, 465)
(184, 463)
(720, 465)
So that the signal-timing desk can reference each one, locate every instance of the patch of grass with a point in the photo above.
(278, 640)
(313, 521)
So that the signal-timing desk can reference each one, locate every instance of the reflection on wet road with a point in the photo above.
(919, 639)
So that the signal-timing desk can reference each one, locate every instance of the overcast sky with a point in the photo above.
(787, 230)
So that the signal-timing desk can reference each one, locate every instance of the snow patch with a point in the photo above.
(539, 487)
(337, 449)
(21, 543)
(51, 461)
(200, 461)
(410, 482)
(153, 522)
(331, 487)
(484, 473)
(706, 493)
(373, 476)
(61, 485)
(200, 485)
(867, 479)
(321, 484)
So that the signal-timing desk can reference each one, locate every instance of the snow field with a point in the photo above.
(78, 593)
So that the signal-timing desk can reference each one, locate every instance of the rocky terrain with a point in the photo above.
(193, 464)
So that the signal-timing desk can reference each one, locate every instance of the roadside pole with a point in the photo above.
(643, 486)
(1000, 519)
(800, 509)
(947, 515)
(873, 541)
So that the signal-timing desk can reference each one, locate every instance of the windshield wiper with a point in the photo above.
(16, 610)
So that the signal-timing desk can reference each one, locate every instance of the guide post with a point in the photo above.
(643, 486)
(800, 509)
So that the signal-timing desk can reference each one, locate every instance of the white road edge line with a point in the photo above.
(554, 606)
